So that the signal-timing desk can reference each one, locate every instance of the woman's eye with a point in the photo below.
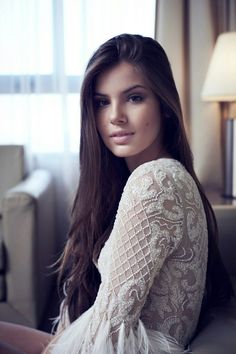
(99, 103)
(136, 98)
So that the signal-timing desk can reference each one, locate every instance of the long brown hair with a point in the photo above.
(103, 176)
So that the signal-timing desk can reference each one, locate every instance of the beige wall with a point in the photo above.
(205, 117)
(187, 30)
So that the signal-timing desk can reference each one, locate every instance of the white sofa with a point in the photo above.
(27, 240)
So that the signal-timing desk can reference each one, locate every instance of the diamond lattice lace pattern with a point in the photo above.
(153, 265)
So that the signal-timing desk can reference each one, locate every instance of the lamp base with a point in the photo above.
(230, 159)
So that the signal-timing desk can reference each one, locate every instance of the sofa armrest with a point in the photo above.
(28, 232)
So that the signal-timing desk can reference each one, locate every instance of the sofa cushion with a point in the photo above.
(12, 168)
(219, 334)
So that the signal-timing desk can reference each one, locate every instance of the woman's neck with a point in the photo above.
(133, 162)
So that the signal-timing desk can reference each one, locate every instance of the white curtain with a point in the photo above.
(44, 46)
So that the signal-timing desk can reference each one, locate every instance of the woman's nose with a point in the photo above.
(117, 114)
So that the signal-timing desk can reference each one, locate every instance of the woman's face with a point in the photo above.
(128, 115)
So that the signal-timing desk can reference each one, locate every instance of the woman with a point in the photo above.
(141, 262)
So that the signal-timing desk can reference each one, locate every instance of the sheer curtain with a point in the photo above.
(44, 46)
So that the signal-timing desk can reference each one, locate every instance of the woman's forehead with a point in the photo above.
(122, 75)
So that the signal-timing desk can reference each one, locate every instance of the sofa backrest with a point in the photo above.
(11, 168)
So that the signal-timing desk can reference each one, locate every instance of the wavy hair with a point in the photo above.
(103, 176)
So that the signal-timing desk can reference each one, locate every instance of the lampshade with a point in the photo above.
(220, 82)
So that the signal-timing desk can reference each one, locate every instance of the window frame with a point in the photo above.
(40, 83)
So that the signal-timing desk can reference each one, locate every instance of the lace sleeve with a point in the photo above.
(148, 227)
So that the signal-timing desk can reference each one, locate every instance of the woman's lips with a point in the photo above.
(121, 137)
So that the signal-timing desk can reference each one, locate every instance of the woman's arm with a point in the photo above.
(8, 349)
(18, 339)
(148, 227)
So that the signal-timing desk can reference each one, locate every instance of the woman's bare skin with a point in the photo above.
(16, 339)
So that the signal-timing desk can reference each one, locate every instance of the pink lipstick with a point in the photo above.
(121, 137)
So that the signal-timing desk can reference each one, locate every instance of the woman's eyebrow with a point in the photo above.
(100, 94)
(131, 88)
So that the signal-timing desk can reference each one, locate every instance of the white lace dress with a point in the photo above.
(152, 267)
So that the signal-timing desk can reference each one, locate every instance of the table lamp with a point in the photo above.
(220, 86)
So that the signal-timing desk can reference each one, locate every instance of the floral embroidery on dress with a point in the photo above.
(153, 265)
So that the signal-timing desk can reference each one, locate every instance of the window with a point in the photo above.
(44, 47)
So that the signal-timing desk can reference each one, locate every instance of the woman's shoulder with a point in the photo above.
(163, 175)
(158, 168)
